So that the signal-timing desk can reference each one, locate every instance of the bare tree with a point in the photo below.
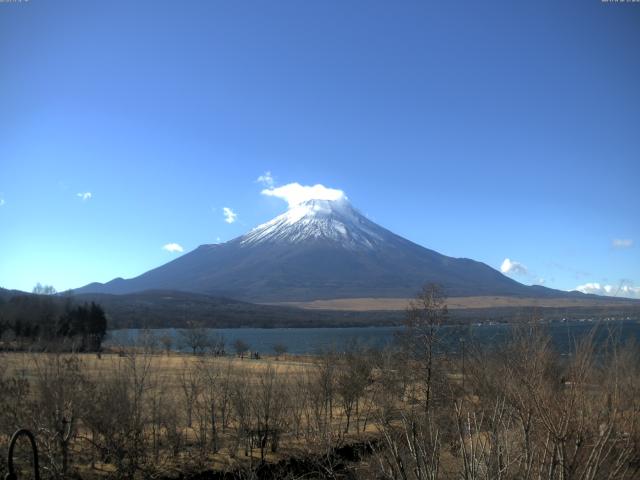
(190, 387)
(196, 338)
(118, 415)
(212, 399)
(544, 417)
(352, 378)
(411, 447)
(425, 314)
(240, 403)
(269, 406)
(241, 347)
(167, 342)
(161, 412)
(57, 407)
(40, 289)
(280, 349)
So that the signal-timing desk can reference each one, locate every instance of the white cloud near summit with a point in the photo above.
(173, 247)
(229, 215)
(623, 290)
(266, 179)
(511, 266)
(294, 193)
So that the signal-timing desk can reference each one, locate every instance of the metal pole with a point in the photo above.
(11, 475)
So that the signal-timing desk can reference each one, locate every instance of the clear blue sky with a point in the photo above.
(487, 130)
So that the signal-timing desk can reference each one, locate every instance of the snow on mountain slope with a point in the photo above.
(319, 220)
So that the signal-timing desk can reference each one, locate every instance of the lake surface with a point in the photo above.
(314, 340)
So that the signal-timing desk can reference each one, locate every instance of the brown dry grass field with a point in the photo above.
(168, 366)
(166, 375)
(456, 303)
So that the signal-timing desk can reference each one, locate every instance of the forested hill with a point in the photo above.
(31, 319)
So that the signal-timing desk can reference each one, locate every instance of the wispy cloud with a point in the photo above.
(513, 267)
(2, 202)
(294, 193)
(229, 215)
(84, 195)
(578, 274)
(622, 243)
(173, 247)
(266, 179)
(624, 289)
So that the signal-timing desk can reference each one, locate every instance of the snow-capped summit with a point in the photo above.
(319, 220)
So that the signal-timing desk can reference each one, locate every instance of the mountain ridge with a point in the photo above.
(321, 249)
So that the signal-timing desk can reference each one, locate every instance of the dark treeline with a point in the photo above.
(36, 320)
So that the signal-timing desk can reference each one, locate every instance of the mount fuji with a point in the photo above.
(321, 249)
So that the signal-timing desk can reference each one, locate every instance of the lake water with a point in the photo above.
(314, 340)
